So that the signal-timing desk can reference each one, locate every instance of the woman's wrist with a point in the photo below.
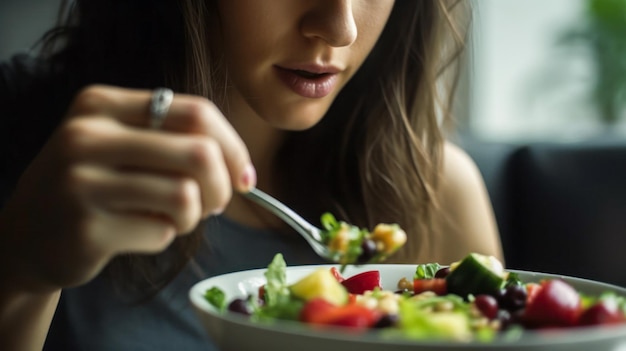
(19, 274)
(26, 305)
(25, 318)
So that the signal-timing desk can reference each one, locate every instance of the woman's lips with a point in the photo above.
(308, 83)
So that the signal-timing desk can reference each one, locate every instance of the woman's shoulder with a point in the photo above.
(468, 219)
(461, 186)
(458, 170)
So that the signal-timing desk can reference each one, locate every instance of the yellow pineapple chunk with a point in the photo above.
(390, 237)
(320, 284)
(341, 241)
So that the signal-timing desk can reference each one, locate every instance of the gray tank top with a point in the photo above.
(92, 317)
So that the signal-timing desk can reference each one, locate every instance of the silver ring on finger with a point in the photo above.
(159, 106)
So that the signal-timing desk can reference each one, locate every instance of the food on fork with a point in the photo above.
(353, 245)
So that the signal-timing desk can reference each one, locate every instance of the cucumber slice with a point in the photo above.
(476, 274)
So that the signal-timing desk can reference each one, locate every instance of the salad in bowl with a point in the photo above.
(473, 303)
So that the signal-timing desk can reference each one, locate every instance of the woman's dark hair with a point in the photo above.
(378, 151)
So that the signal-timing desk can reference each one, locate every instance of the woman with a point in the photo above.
(331, 105)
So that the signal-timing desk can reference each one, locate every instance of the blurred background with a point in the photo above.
(541, 111)
(22, 22)
(548, 70)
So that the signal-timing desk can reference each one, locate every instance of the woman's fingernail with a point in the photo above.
(249, 177)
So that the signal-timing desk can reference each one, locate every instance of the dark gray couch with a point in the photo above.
(561, 208)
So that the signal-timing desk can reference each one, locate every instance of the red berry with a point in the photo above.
(362, 282)
(603, 312)
(556, 304)
(487, 305)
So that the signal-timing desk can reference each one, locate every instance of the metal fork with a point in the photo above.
(311, 233)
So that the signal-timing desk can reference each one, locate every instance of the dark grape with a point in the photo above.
(386, 321)
(514, 298)
(368, 250)
(442, 272)
(240, 306)
(499, 295)
(517, 317)
(504, 317)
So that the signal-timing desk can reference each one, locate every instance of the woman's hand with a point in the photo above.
(106, 184)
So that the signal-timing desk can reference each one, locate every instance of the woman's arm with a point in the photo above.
(26, 306)
(25, 319)
(467, 219)
(105, 184)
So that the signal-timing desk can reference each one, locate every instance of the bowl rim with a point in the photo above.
(294, 328)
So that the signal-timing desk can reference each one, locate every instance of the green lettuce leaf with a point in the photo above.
(426, 271)
(216, 297)
(276, 289)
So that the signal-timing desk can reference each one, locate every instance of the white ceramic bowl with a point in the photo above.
(232, 332)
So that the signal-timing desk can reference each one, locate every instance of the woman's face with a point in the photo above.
(287, 60)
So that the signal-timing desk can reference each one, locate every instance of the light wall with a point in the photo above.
(523, 86)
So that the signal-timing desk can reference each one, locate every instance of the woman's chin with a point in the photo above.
(297, 121)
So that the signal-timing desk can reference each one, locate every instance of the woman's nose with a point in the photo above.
(331, 21)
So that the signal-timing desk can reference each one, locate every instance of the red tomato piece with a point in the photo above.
(320, 311)
(602, 312)
(352, 298)
(362, 282)
(355, 317)
(337, 274)
(556, 304)
(436, 285)
(317, 311)
(531, 291)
